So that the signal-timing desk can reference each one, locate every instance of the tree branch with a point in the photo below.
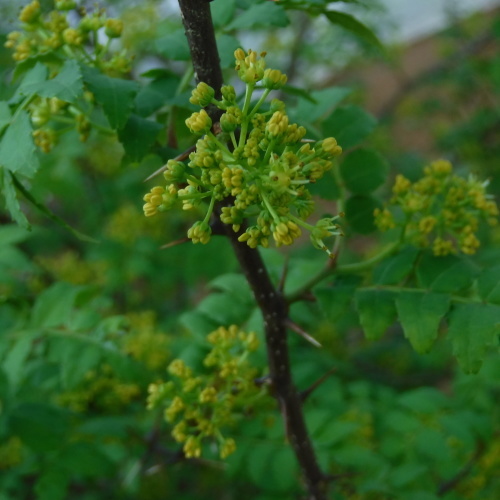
(197, 21)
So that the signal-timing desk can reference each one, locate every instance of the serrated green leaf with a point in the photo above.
(5, 115)
(377, 311)
(473, 329)
(351, 24)
(226, 45)
(235, 285)
(32, 80)
(260, 15)
(327, 188)
(359, 213)
(174, 46)
(17, 149)
(420, 315)
(363, 171)
(48, 213)
(11, 201)
(350, 125)
(445, 274)
(67, 84)
(115, 95)
(394, 269)
(137, 136)
(488, 285)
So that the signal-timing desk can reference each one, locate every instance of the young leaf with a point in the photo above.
(420, 315)
(313, 105)
(363, 171)
(351, 24)
(17, 149)
(376, 311)
(226, 45)
(335, 301)
(137, 136)
(473, 329)
(222, 12)
(359, 213)
(174, 46)
(349, 125)
(116, 96)
(446, 274)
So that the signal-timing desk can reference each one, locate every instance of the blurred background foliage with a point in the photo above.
(85, 328)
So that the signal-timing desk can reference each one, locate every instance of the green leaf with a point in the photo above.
(116, 96)
(318, 103)
(31, 81)
(14, 361)
(226, 45)
(394, 269)
(40, 426)
(54, 306)
(350, 125)
(363, 171)
(445, 274)
(137, 136)
(48, 213)
(420, 315)
(260, 15)
(75, 359)
(84, 459)
(174, 46)
(488, 285)
(67, 85)
(351, 24)
(153, 96)
(11, 201)
(334, 301)
(377, 311)
(17, 149)
(473, 329)
(5, 115)
(327, 188)
(359, 213)
(222, 12)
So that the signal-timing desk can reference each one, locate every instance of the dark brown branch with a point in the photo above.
(199, 31)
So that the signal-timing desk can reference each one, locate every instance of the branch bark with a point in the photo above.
(199, 30)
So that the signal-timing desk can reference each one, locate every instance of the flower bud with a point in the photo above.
(202, 95)
(199, 123)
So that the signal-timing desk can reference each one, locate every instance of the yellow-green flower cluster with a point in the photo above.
(258, 167)
(202, 406)
(53, 33)
(441, 210)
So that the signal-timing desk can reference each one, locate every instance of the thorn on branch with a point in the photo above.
(284, 274)
(307, 392)
(175, 243)
(297, 329)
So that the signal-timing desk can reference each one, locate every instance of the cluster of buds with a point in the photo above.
(53, 33)
(257, 168)
(441, 210)
(202, 406)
